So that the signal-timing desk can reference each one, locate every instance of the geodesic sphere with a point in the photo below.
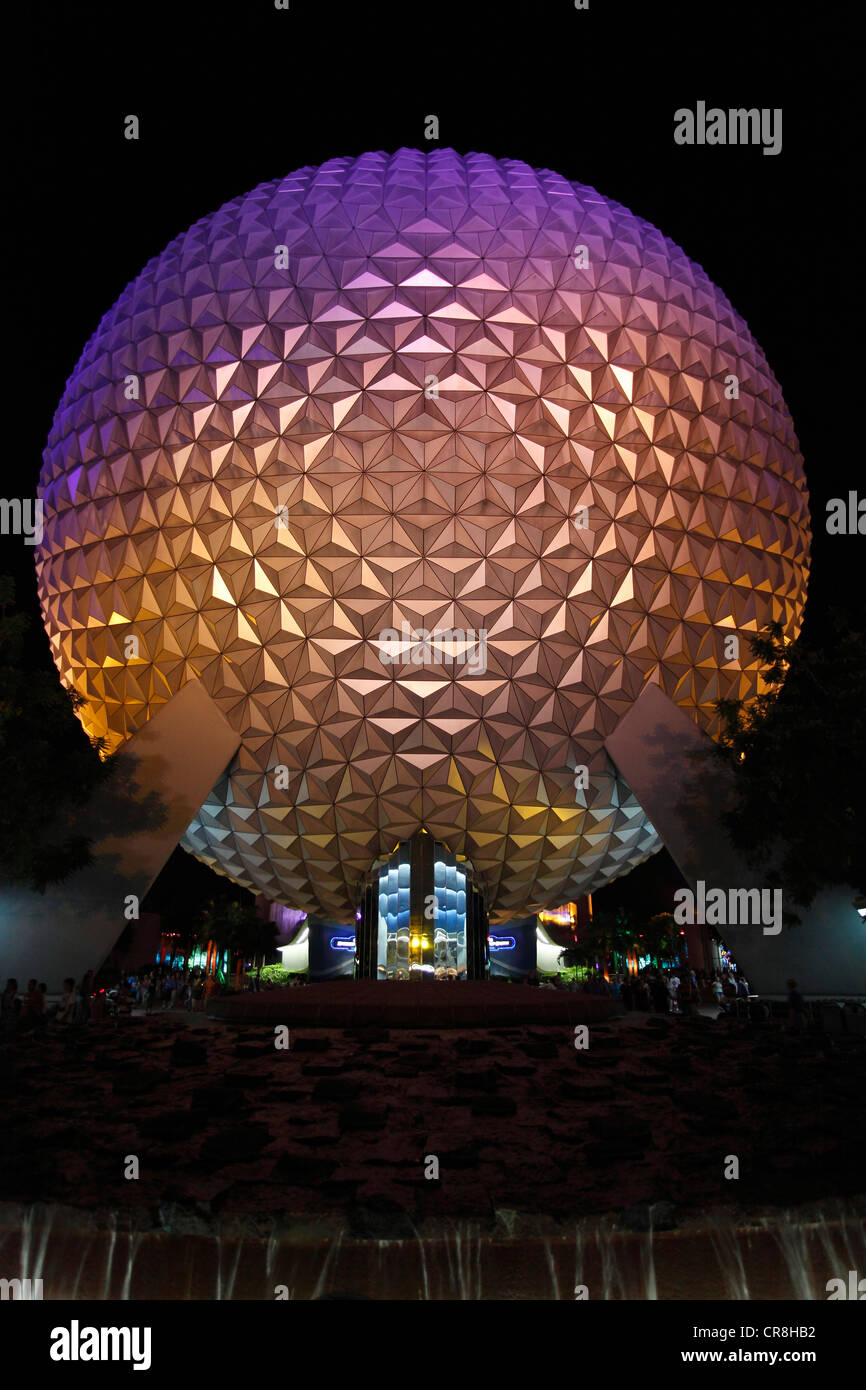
(406, 399)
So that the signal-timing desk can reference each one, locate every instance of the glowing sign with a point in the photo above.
(501, 943)
(342, 943)
(565, 916)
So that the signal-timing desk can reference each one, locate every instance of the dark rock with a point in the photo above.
(300, 1169)
(235, 1145)
(454, 1201)
(546, 1048)
(474, 1047)
(493, 1106)
(485, 1079)
(672, 1066)
(466, 1156)
(612, 1151)
(177, 1214)
(186, 1052)
(218, 1099)
(569, 1090)
(336, 1088)
(316, 1044)
(696, 1161)
(380, 1218)
(254, 1049)
(139, 1081)
(26, 1176)
(340, 1189)
(367, 1036)
(656, 1216)
(621, 1127)
(118, 1063)
(430, 1061)
(67, 1136)
(569, 1135)
(248, 1081)
(362, 1117)
(413, 1066)
(174, 1126)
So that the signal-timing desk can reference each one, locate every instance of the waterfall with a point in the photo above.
(718, 1255)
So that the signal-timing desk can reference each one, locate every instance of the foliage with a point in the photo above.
(271, 974)
(237, 928)
(573, 972)
(49, 829)
(659, 937)
(797, 754)
(606, 933)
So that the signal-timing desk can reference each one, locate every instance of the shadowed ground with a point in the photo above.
(344, 1120)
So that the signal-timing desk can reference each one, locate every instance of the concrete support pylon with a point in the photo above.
(685, 798)
(180, 754)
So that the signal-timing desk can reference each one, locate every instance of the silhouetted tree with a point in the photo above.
(51, 772)
(798, 755)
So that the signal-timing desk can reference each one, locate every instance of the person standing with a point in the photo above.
(797, 1009)
(661, 998)
(82, 1002)
(673, 991)
(66, 1006)
(10, 1008)
(34, 1007)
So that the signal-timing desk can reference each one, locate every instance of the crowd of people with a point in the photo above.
(82, 1002)
(680, 990)
(652, 990)
(656, 990)
(158, 989)
(30, 1012)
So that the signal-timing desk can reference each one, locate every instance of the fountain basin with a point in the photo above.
(713, 1255)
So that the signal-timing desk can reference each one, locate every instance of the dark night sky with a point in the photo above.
(231, 95)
